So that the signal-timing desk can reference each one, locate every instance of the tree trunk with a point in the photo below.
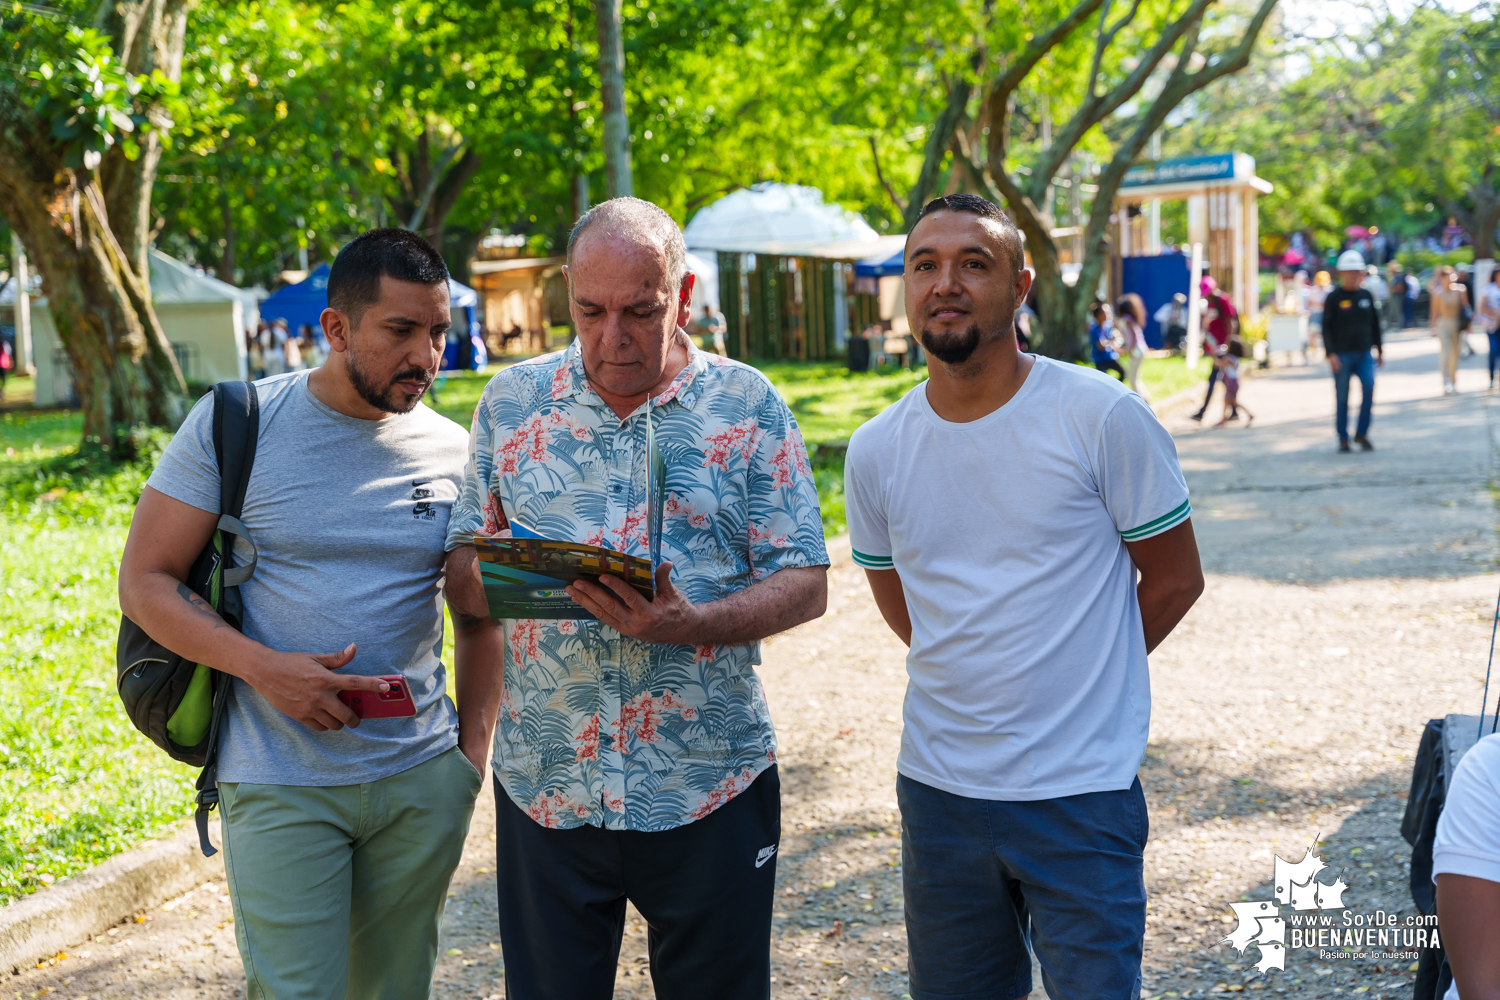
(1062, 314)
(618, 182)
(434, 189)
(226, 259)
(1484, 237)
(1480, 221)
(123, 366)
(89, 234)
(938, 140)
(148, 35)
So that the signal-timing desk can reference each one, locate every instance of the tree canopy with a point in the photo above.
(1393, 122)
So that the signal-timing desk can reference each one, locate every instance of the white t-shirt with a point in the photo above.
(1489, 300)
(1468, 831)
(1028, 661)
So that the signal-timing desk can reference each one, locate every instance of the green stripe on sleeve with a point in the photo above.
(872, 562)
(1156, 527)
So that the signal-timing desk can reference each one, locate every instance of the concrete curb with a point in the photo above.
(48, 921)
(1162, 407)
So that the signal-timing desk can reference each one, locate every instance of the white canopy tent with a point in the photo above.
(205, 321)
(705, 281)
(782, 219)
(787, 259)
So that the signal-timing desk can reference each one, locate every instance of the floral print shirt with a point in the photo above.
(596, 727)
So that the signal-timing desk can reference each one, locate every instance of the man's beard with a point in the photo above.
(389, 398)
(952, 347)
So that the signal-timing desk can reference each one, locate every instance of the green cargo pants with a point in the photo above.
(339, 892)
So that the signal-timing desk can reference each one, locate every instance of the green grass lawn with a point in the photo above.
(77, 782)
(1164, 376)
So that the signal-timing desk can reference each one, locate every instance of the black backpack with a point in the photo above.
(177, 703)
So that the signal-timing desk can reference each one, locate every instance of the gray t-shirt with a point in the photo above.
(349, 518)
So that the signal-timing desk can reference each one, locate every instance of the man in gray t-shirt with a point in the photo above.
(340, 835)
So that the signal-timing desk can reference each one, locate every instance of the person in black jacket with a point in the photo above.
(1351, 336)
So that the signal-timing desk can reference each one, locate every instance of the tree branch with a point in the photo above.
(1097, 107)
(1005, 86)
(880, 176)
(949, 121)
(448, 190)
(1179, 86)
(938, 140)
(964, 158)
(1107, 38)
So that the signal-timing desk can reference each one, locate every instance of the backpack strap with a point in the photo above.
(235, 429)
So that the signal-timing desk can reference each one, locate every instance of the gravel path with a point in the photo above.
(1348, 602)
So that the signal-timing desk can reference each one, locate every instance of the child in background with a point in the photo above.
(1102, 337)
(1228, 362)
(1130, 324)
(257, 362)
(292, 353)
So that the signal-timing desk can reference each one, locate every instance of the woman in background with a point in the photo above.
(1130, 326)
(1487, 318)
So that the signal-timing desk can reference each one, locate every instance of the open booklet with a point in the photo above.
(525, 575)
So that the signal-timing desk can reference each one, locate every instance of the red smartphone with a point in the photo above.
(393, 704)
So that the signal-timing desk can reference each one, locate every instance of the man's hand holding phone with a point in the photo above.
(393, 703)
(303, 686)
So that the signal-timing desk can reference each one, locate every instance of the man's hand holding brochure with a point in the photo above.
(526, 574)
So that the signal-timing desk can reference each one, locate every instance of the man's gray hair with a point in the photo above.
(639, 223)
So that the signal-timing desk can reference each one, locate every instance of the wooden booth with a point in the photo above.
(514, 301)
(797, 303)
(1221, 191)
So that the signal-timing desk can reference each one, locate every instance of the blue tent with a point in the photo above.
(305, 301)
(301, 303)
(881, 267)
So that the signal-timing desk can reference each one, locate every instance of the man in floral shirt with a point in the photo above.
(635, 756)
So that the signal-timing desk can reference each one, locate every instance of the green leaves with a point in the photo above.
(91, 102)
(1390, 122)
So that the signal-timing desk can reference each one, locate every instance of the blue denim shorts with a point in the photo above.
(984, 878)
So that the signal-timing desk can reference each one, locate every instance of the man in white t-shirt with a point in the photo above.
(1001, 511)
(1466, 868)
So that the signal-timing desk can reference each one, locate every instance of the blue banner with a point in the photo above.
(1219, 166)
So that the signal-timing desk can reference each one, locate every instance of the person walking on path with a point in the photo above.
(1376, 286)
(1222, 323)
(1448, 298)
(1351, 337)
(1395, 302)
(714, 324)
(1105, 352)
(1409, 303)
(981, 506)
(1130, 323)
(1229, 374)
(1487, 318)
(635, 758)
(340, 836)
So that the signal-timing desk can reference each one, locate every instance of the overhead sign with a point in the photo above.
(1217, 167)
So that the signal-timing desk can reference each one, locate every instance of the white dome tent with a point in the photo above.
(205, 321)
(785, 260)
(783, 219)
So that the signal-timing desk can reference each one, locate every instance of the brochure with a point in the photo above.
(525, 575)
